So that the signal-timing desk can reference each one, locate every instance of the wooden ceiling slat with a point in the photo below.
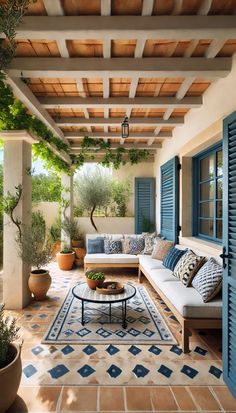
(124, 7)
(81, 7)
(85, 48)
(162, 7)
(123, 48)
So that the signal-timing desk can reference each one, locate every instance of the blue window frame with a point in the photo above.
(208, 194)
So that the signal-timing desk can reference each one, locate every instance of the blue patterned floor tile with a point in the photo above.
(134, 350)
(83, 332)
(114, 371)
(189, 371)
(200, 350)
(148, 332)
(215, 372)
(67, 350)
(134, 332)
(175, 349)
(58, 371)
(140, 371)
(86, 370)
(37, 350)
(112, 350)
(29, 370)
(103, 333)
(165, 371)
(155, 350)
(89, 350)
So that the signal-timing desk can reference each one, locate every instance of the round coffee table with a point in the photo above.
(84, 293)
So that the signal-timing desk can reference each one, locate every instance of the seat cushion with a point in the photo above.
(161, 275)
(111, 259)
(149, 263)
(188, 301)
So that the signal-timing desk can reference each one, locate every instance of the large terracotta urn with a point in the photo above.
(10, 377)
(39, 283)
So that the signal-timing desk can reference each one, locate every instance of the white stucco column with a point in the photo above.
(17, 163)
(67, 197)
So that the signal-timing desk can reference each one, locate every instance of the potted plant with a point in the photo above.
(95, 279)
(36, 251)
(65, 258)
(10, 361)
(72, 231)
(55, 236)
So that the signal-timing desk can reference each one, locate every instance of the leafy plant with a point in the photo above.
(46, 188)
(95, 275)
(39, 223)
(94, 190)
(8, 333)
(71, 229)
(35, 250)
(10, 203)
(121, 191)
(55, 231)
(66, 249)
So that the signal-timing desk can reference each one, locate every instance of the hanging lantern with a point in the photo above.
(125, 128)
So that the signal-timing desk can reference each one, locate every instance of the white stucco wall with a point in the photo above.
(218, 102)
(109, 225)
(50, 211)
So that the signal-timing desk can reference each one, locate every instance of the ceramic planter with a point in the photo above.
(39, 283)
(93, 284)
(65, 261)
(10, 377)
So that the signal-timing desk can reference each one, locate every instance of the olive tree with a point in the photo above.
(93, 188)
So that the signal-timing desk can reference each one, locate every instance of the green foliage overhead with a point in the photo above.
(8, 333)
(46, 188)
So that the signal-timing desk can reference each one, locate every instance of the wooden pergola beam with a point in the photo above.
(114, 135)
(78, 147)
(127, 27)
(138, 121)
(75, 102)
(41, 67)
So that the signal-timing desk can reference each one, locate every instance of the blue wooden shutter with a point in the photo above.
(229, 243)
(144, 205)
(170, 199)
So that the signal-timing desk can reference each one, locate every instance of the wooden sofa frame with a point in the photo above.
(92, 265)
(186, 323)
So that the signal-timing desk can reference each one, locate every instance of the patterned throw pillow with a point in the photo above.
(125, 245)
(208, 280)
(161, 248)
(187, 267)
(136, 245)
(173, 256)
(96, 245)
(149, 240)
(112, 246)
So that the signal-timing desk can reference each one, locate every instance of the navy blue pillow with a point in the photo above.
(96, 245)
(172, 257)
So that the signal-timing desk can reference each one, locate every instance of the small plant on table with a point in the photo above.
(95, 279)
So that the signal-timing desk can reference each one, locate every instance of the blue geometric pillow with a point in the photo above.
(172, 257)
(96, 245)
(112, 246)
(136, 245)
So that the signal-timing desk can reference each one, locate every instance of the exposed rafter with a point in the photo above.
(119, 67)
(54, 8)
(78, 147)
(51, 102)
(205, 7)
(138, 121)
(127, 27)
(115, 135)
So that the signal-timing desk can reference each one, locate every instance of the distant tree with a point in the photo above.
(121, 191)
(46, 188)
(94, 190)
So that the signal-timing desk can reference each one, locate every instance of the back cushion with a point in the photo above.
(96, 245)
(172, 257)
(187, 267)
(161, 248)
(208, 280)
(112, 246)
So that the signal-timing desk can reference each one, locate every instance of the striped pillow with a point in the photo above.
(172, 257)
(208, 280)
(187, 267)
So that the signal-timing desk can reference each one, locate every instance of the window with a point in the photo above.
(208, 194)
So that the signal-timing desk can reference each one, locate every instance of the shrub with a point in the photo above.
(55, 231)
(39, 223)
(71, 229)
(8, 333)
(121, 191)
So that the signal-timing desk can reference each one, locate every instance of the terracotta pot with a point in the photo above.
(65, 261)
(39, 283)
(10, 377)
(80, 253)
(93, 284)
(77, 244)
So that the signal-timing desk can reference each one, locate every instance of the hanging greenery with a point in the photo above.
(117, 157)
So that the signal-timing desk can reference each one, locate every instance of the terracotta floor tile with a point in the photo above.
(226, 399)
(36, 399)
(183, 398)
(204, 398)
(111, 398)
(163, 399)
(79, 399)
(138, 398)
